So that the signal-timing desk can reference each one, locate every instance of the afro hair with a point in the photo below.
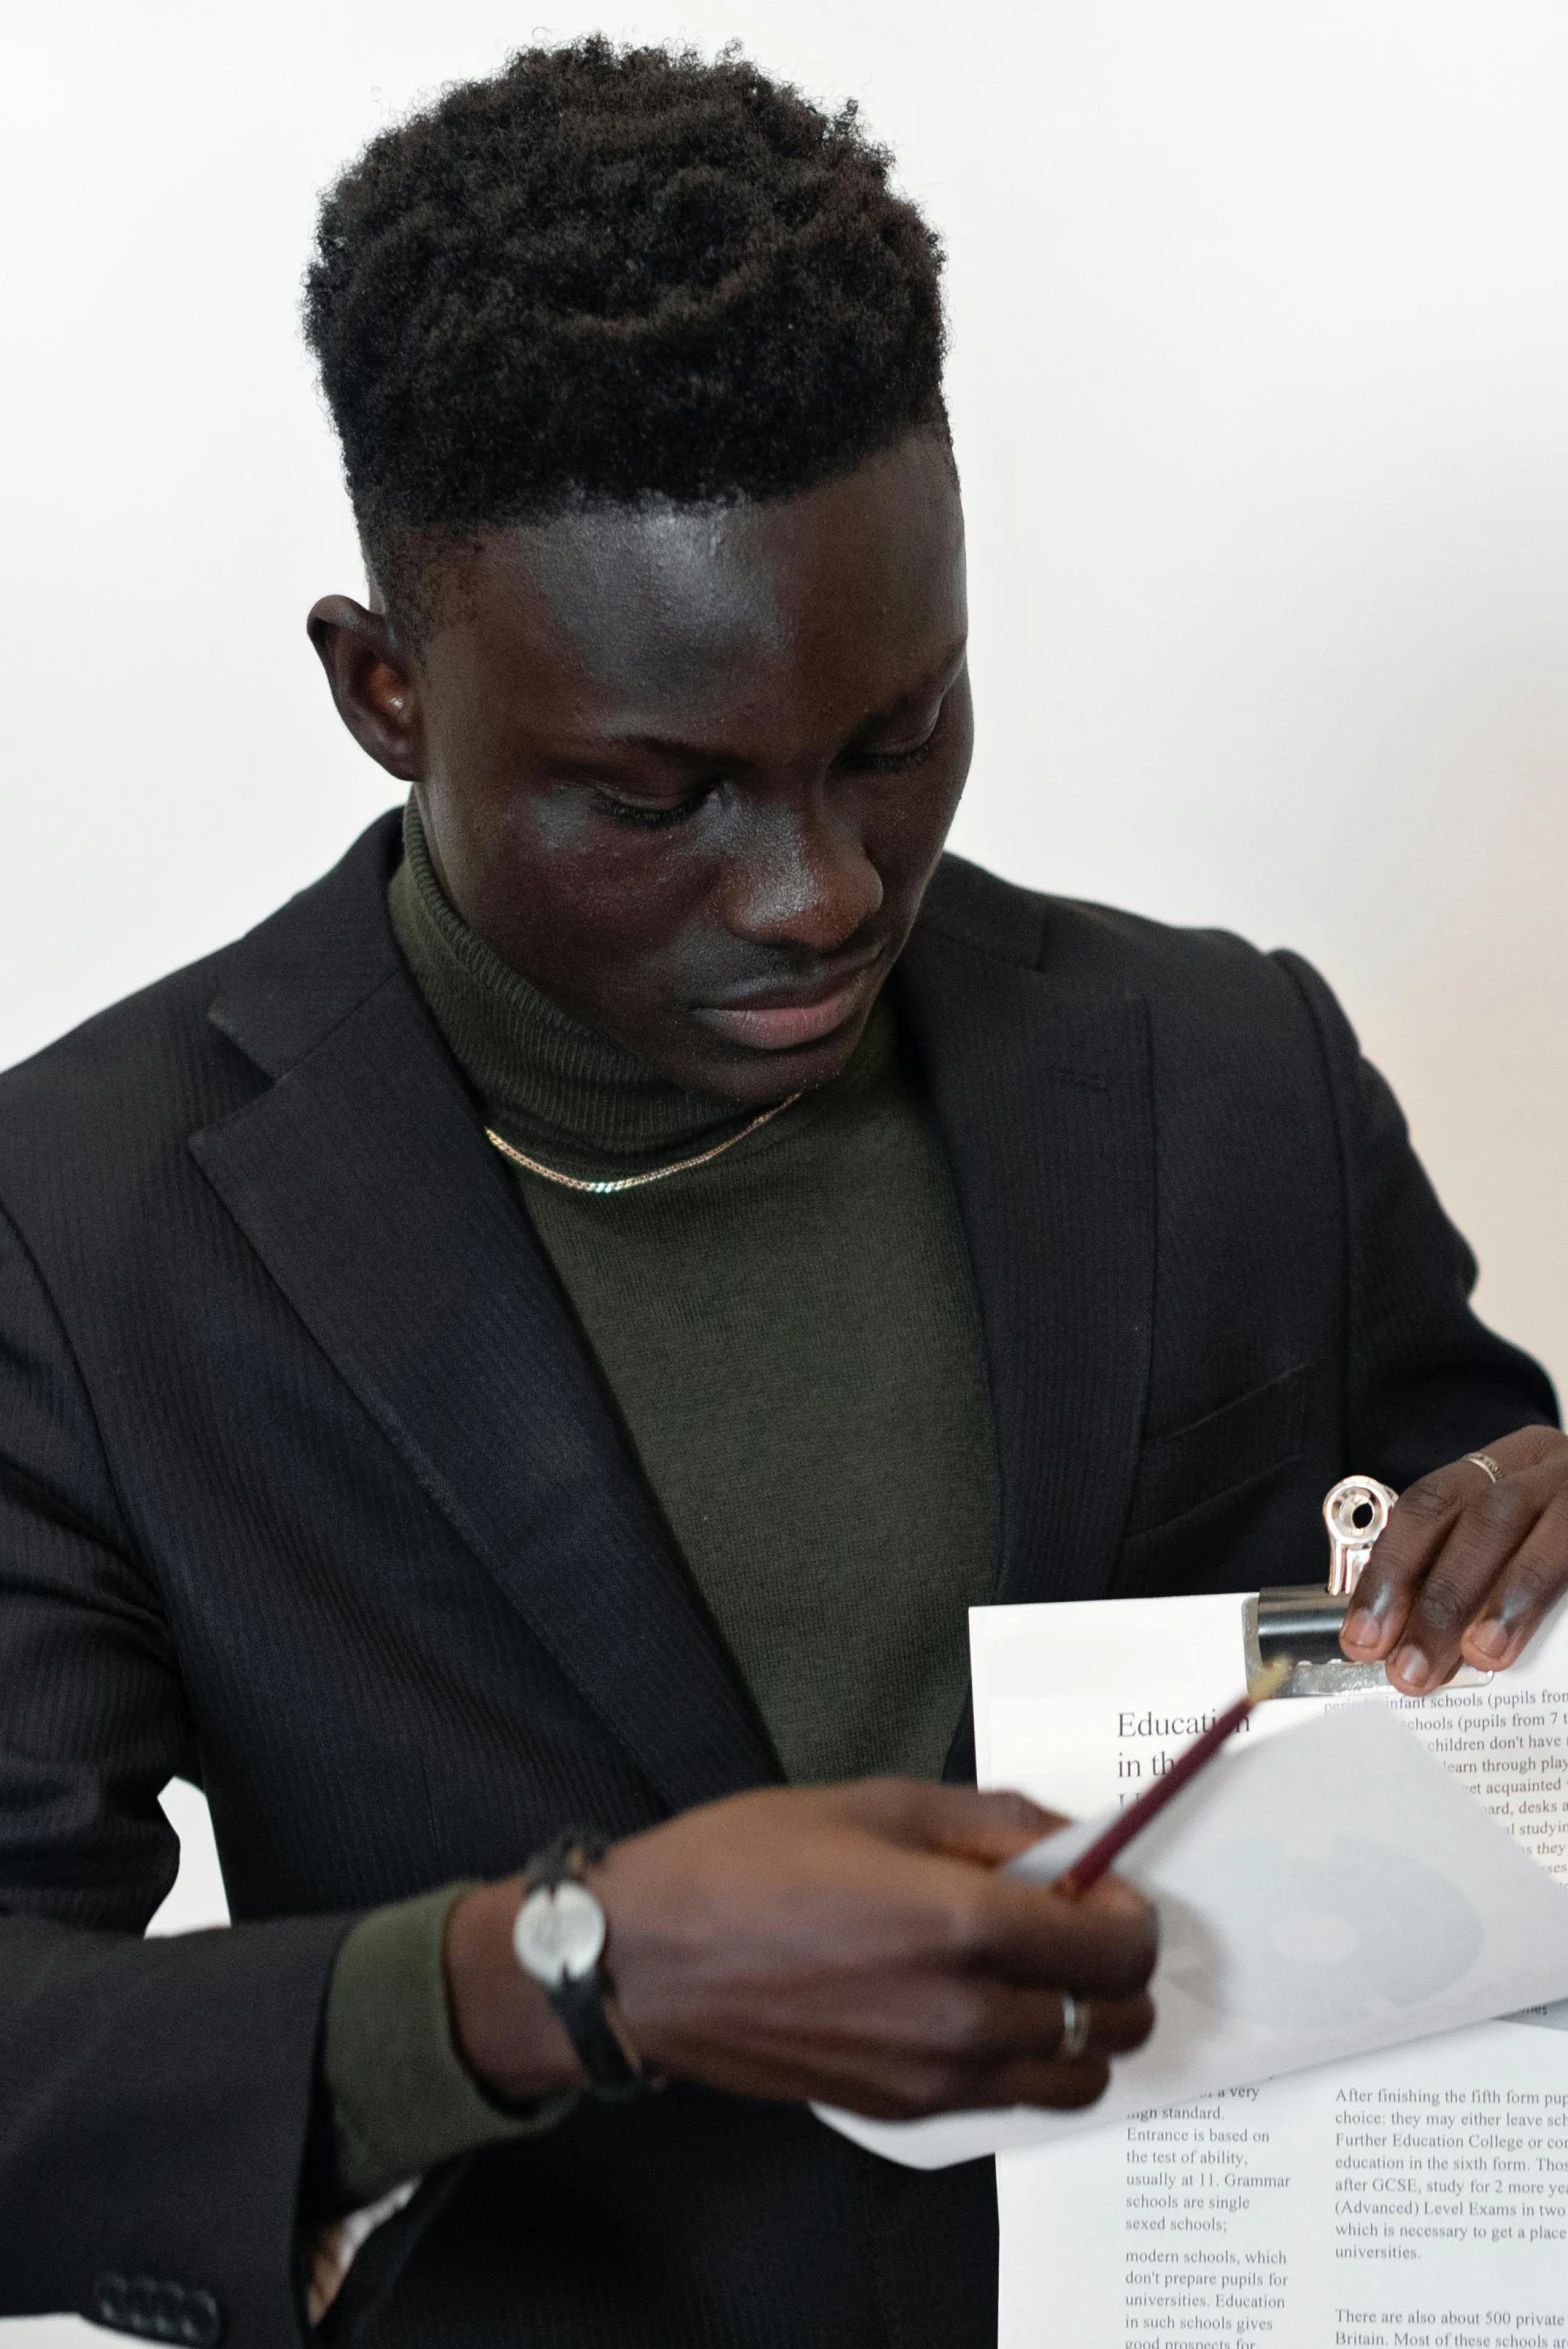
(609, 276)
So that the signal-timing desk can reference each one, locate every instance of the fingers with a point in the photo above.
(1103, 1946)
(993, 2047)
(1118, 2025)
(959, 1821)
(993, 2025)
(842, 1943)
(1024, 2063)
(1058, 2087)
(1467, 1568)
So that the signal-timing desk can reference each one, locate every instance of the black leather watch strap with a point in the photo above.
(580, 2001)
(580, 2005)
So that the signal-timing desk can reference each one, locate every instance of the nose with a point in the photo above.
(803, 878)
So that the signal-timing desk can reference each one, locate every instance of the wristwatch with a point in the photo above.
(559, 1938)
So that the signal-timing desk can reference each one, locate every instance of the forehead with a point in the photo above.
(838, 600)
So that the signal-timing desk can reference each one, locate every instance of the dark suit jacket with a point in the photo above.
(309, 1491)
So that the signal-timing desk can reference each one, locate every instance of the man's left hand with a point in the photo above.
(1466, 1569)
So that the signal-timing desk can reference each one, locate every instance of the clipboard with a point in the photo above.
(1303, 1622)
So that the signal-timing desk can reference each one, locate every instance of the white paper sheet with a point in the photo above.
(1326, 1888)
(1416, 2199)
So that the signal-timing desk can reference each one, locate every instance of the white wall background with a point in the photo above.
(1260, 381)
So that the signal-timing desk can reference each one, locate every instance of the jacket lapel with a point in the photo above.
(1041, 1090)
(363, 1181)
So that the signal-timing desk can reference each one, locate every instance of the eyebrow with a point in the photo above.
(940, 678)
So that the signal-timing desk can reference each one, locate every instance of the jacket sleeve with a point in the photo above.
(1425, 1380)
(155, 2097)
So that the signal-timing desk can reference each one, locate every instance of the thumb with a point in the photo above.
(959, 1821)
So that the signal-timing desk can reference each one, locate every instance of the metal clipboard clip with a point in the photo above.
(1304, 1622)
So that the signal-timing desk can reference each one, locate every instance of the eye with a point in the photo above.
(889, 762)
(637, 816)
(893, 762)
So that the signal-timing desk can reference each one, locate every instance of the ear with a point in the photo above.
(372, 684)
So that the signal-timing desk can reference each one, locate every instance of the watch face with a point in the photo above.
(559, 1934)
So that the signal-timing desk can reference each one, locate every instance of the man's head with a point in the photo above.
(636, 364)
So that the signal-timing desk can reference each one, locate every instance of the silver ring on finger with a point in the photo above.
(1075, 2028)
(1485, 1462)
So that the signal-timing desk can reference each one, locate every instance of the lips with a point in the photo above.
(783, 1026)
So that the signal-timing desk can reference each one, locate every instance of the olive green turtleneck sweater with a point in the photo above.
(790, 1336)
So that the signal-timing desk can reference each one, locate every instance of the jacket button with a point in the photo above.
(168, 2306)
(159, 2311)
(110, 2301)
(141, 2306)
(201, 2321)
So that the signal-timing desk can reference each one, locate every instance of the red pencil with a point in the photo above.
(1107, 1847)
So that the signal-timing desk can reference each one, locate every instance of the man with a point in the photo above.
(543, 1341)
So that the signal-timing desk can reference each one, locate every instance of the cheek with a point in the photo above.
(905, 831)
(586, 909)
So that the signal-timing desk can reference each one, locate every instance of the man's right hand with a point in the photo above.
(855, 1944)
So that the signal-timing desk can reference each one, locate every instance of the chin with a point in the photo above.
(752, 1079)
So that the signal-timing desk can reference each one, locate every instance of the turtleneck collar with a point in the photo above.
(551, 1085)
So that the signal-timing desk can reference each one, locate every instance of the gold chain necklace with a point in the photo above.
(656, 1174)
